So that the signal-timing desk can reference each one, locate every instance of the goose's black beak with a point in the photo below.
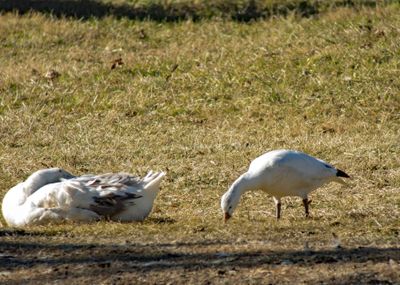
(227, 217)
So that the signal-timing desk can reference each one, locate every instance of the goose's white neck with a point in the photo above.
(14, 206)
(39, 179)
(242, 184)
(13, 203)
(231, 198)
(17, 195)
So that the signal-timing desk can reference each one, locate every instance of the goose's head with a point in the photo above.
(45, 176)
(53, 174)
(229, 202)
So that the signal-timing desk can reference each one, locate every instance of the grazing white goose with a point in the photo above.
(54, 195)
(281, 173)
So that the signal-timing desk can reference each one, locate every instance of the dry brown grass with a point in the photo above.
(328, 86)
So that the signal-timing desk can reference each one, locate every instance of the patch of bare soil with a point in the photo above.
(32, 259)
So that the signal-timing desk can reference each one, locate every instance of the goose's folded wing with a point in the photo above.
(112, 179)
(112, 203)
(104, 196)
(304, 169)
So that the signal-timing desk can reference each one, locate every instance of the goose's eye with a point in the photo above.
(230, 207)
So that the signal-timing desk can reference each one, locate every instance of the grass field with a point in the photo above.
(199, 100)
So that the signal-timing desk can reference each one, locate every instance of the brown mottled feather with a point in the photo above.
(111, 204)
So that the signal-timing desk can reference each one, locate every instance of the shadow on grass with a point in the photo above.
(74, 261)
(145, 257)
(176, 11)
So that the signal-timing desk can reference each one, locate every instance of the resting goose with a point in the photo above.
(53, 195)
(282, 173)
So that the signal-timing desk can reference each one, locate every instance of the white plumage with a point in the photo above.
(54, 195)
(281, 173)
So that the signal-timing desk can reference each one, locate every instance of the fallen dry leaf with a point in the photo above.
(117, 62)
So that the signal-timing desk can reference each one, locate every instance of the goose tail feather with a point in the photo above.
(153, 179)
(341, 173)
